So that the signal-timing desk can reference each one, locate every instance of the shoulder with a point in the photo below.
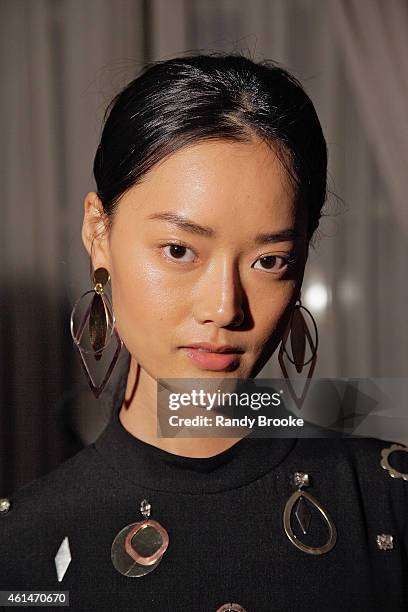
(375, 470)
(42, 512)
(367, 462)
(366, 453)
(380, 461)
(36, 505)
(374, 456)
(63, 479)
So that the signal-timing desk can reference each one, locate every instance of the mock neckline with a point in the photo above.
(152, 467)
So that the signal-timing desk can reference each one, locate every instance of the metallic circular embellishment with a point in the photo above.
(151, 540)
(101, 276)
(385, 453)
(231, 607)
(5, 505)
(151, 536)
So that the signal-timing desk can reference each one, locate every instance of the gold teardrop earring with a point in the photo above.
(299, 333)
(98, 320)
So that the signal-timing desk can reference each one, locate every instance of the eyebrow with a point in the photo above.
(202, 230)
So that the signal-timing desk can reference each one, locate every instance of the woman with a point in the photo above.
(211, 177)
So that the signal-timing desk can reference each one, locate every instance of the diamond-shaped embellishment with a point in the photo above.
(303, 515)
(385, 541)
(300, 479)
(62, 559)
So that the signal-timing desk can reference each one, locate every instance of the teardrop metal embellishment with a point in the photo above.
(385, 453)
(138, 548)
(303, 516)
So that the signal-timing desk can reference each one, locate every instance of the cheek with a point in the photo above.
(144, 299)
(273, 312)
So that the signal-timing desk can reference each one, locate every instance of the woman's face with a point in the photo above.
(209, 248)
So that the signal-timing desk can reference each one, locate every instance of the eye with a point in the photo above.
(176, 252)
(275, 263)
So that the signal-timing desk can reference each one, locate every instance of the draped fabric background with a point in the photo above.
(61, 62)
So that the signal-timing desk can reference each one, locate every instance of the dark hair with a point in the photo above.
(183, 100)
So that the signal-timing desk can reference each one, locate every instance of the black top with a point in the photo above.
(224, 518)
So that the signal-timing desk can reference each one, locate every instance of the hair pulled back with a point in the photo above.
(195, 98)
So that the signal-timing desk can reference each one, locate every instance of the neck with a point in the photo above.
(138, 416)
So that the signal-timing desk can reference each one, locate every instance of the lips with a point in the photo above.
(211, 357)
(213, 348)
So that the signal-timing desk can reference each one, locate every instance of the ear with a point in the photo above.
(95, 231)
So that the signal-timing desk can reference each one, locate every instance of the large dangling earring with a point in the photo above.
(99, 320)
(299, 334)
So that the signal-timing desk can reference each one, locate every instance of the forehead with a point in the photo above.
(237, 188)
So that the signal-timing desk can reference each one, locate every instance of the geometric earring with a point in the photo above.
(92, 324)
(299, 334)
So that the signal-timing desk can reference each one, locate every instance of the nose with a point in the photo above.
(220, 298)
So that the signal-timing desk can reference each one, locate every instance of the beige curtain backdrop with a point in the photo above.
(61, 62)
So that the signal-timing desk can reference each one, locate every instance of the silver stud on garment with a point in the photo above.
(5, 505)
(145, 508)
(231, 607)
(385, 541)
(300, 479)
(62, 559)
